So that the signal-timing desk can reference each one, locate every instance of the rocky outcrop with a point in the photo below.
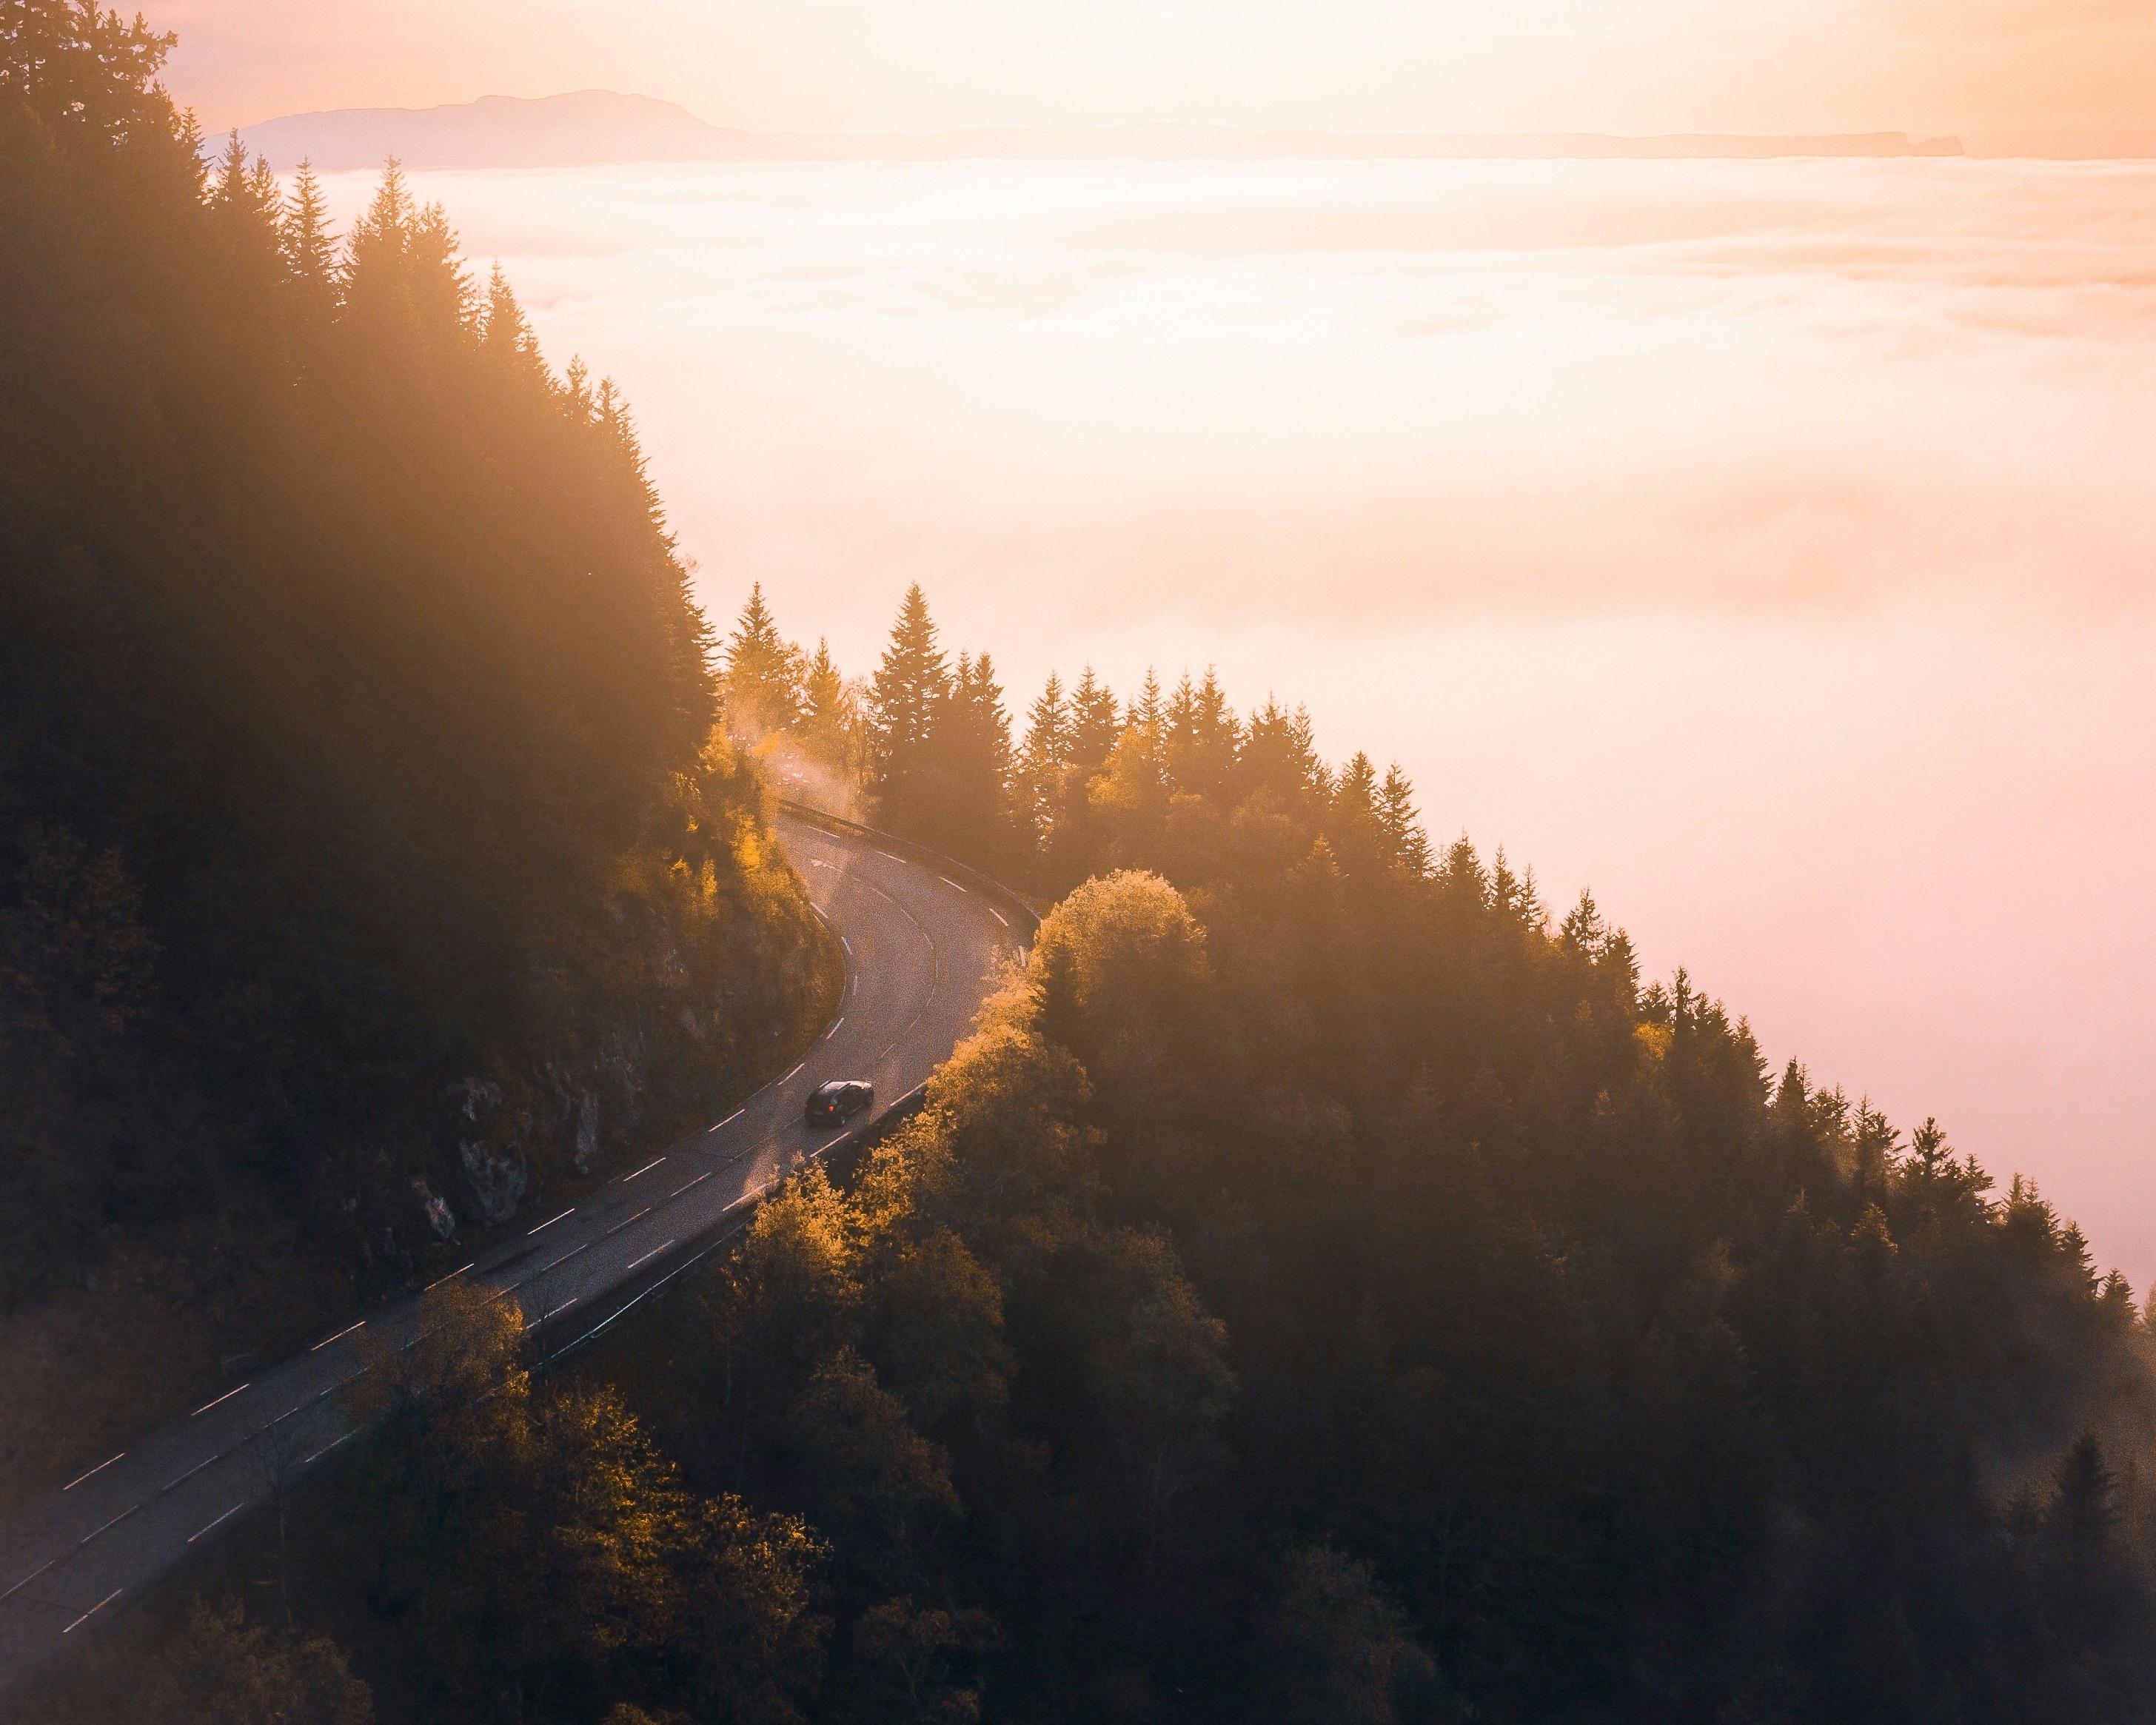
(496, 1169)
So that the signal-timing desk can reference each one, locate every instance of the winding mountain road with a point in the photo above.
(922, 948)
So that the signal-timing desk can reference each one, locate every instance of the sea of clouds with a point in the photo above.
(1766, 545)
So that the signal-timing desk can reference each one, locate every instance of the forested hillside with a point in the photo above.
(369, 856)
(1329, 1284)
(1358, 1295)
(1326, 1287)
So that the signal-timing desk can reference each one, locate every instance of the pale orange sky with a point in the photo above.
(1431, 65)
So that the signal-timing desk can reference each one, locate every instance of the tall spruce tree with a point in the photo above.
(969, 766)
(1044, 759)
(763, 673)
(830, 714)
(1396, 811)
(907, 695)
(1096, 722)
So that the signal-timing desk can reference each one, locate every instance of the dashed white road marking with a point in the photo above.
(853, 989)
(92, 1612)
(219, 1522)
(625, 1221)
(833, 1030)
(559, 1261)
(650, 1255)
(99, 1468)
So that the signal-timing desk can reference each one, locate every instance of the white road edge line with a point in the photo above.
(219, 1522)
(80, 1477)
(645, 1169)
(93, 1611)
(339, 1336)
(550, 1222)
(226, 1397)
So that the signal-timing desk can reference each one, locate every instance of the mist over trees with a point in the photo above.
(368, 851)
(1327, 1285)
(1531, 1351)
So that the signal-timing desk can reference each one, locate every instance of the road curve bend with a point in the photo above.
(923, 940)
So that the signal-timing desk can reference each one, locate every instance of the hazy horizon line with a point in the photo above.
(592, 125)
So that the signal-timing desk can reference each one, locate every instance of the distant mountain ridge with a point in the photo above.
(597, 126)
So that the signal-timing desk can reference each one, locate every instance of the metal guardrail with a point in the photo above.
(917, 852)
(695, 1247)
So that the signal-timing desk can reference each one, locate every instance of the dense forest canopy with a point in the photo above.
(367, 850)
(1511, 1342)
(1326, 1287)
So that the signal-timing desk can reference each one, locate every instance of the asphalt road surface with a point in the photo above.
(922, 946)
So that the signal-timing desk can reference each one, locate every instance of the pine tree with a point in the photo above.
(506, 334)
(1276, 757)
(904, 700)
(763, 671)
(1201, 737)
(1147, 711)
(401, 266)
(304, 237)
(1355, 796)
(383, 233)
(965, 805)
(1043, 762)
(1396, 813)
(1095, 724)
(830, 714)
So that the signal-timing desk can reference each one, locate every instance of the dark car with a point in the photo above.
(841, 1099)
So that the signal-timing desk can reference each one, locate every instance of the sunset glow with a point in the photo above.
(1360, 66)
(1156, 861)
(1510, 471)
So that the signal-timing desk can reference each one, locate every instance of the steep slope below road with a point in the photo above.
(923, 949)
